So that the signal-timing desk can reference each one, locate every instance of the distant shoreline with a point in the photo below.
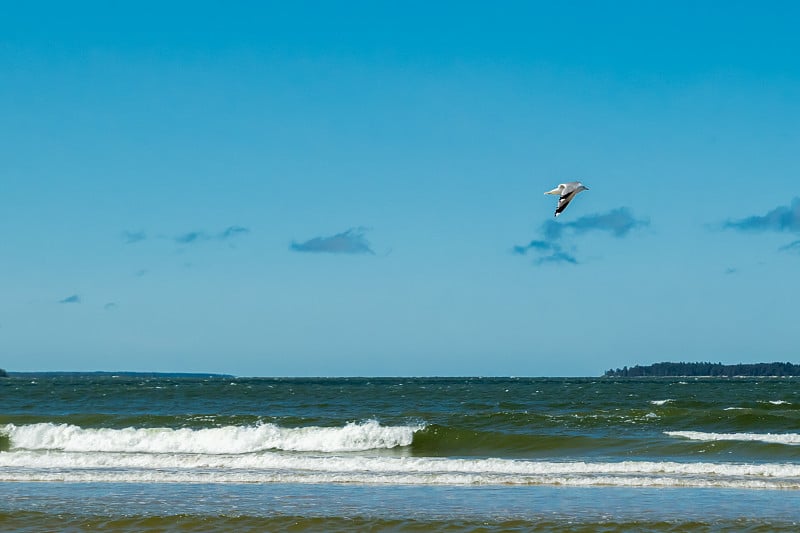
(682, 376)
(636, 372)
(707, 370)
(102, 373)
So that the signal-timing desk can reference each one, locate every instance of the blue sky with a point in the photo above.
(325, 188)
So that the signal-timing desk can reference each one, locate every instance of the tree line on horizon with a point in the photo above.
(705, 369)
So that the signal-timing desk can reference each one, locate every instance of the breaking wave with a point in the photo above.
(792, 439)
(352, 437)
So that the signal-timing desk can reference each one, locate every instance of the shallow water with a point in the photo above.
(198, 507)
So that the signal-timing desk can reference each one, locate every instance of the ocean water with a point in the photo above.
(398, 454)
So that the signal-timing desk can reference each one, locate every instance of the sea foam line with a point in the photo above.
(791, 439)
(224, 440)
(274, 467)
(276, 461)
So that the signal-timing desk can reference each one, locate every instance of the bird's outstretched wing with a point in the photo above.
(564, 200)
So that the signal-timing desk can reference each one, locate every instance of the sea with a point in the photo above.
(136, 453)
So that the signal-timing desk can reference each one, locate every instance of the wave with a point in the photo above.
(792, 439)
(352, 437)
(420, 440)
(266, 453)
(441, 440)
(661, 402)
(423, 440)
(278, 467)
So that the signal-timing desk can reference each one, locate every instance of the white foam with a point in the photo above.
(661, 402)
(272, 467)
(791, 439)
(224, 440)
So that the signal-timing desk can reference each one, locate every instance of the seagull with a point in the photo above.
(566, 192)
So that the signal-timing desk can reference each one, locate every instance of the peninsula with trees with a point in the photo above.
(706, 370)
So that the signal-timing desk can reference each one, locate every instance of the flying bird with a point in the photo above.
(566, 192)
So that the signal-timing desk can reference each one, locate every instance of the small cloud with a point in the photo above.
(191, 237)
(131, 237)
(782, 218)
(232, 231)
(228, 233)
(618, 222)
(74, 299)
(534, 245)
(555, 253)
(110, 306)
(351, 241)
(557, 257)
(793, 246)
